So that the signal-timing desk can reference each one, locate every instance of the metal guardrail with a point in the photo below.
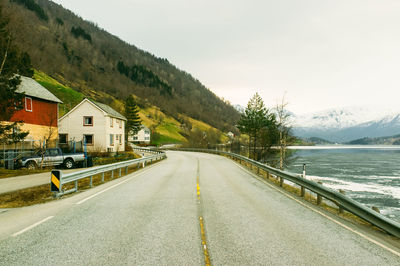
(339, 199)
(76, 176)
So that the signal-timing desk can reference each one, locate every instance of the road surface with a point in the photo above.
(189, 209)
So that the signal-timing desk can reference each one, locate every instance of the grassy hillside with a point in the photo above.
(167, 128)
(97, 64)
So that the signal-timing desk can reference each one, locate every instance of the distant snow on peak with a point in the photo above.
(349, 123)
(239, 108)
(343, 117)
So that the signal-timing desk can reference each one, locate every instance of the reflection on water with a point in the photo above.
(369, 175)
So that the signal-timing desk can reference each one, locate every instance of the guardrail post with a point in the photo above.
(302, 190)
(280, 181)
(102, 177)
(340, 207)
(126, 170)
(120, 169)
(138, 165)
(112, 174)
(258, 170)
(376, 209)
(76, 185)
(319, 197)
(268, 175)
(91, 181)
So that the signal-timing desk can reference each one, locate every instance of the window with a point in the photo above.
(63, 138)
(88, 139)
(54, 152)
(120, 123)
(28, 104)
(147, 132)
(88, 121)
(111, 122)
(135, 137)
(111, 139)
(120, 139)
(146, 138)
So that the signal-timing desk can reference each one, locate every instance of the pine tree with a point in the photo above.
(133, 122)
(11, 63)
(255, 118)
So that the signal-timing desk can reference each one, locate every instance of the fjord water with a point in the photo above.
(368, 174)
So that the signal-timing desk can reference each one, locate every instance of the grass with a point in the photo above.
(69, 96)
(5, 173)
(42, 194)
(102, 160)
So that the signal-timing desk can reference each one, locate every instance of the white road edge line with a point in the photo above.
(326, 216)
(113, 186)
(32, 226)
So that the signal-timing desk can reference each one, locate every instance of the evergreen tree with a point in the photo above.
(255, 118)
(133, 122)
(11, 63)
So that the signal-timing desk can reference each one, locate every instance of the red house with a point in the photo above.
(40, 112)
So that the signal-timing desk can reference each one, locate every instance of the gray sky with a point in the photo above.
(321, 53)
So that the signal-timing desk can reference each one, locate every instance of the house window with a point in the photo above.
(147, 132)
(146, 138)
(120, 123)
(88, 139)
(111, 139)
(111, 122)
(88, 121)
(120, 139)
(28, 104)
(63, 138)
(135, 137)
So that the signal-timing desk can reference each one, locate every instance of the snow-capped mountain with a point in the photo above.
(239, 108)
(345, 124)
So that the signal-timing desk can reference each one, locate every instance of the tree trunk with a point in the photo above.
(5, 56)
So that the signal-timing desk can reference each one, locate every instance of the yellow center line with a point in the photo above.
(201, 222)
(204, 242)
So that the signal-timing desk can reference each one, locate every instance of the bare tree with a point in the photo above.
(284, 125)
(51, 120)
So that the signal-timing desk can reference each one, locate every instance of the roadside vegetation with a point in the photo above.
(5, 173)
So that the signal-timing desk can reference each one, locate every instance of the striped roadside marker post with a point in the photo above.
(55, 181)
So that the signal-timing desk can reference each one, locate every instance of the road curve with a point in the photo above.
(151, 217)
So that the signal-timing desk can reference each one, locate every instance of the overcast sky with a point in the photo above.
(321, 53)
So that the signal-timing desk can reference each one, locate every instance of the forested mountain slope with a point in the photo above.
(87, 58)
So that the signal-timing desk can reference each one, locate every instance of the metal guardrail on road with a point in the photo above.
(60, 180)
(339, 199)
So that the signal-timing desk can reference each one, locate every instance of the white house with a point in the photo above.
(230, 135)
(100, 126)
(143, 136)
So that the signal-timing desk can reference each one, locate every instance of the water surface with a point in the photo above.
(368, 174)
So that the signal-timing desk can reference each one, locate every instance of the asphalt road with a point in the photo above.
(151, 217)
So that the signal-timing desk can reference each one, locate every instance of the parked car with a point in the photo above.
(51, 157)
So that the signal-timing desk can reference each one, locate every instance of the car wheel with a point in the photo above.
(31, 165)
(68, 163)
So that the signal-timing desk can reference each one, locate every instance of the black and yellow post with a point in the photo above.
(56, 181)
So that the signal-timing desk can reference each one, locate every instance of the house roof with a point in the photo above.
(109, 110)
(101, 106)
(32, 88)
